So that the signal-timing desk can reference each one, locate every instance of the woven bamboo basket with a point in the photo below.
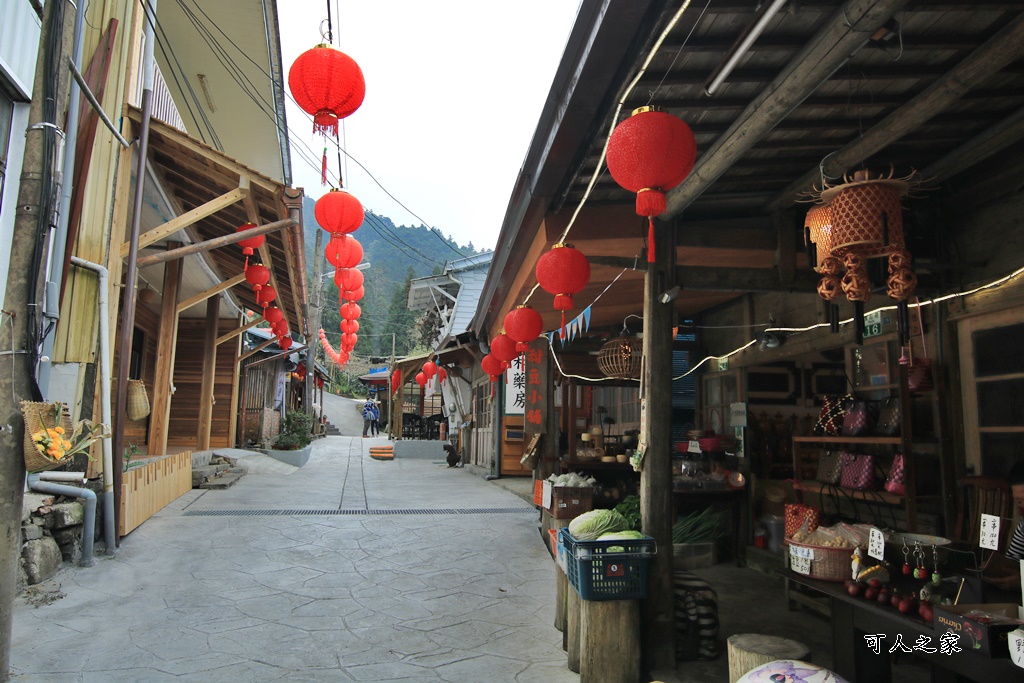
(137, 405)
(828, 563)
(39, 416)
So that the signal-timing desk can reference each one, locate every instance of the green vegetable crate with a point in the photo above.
(608, 570)
(569, 502)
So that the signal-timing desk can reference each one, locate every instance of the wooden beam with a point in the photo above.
(235, 385)
(163, 379)
(980, 147)
(272, 340)
(186, 219)
(212, 291)
(1005, 47)
(209, 375)
(237, 331)
(700, 278)
(222, 241)
(843, 34)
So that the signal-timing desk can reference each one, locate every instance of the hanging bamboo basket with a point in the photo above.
(137, 405)
(39, 418)
(621, 357)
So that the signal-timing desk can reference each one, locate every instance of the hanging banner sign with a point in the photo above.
(515, 387)
(537, 387)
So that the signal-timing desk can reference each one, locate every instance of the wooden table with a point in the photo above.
(852, 657)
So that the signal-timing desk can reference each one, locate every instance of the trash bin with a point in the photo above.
(775, 525)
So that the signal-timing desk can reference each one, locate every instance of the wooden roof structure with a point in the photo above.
(827, 87)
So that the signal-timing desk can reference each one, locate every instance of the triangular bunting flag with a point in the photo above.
(586, 317)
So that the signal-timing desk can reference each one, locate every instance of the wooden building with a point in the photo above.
(783, 97)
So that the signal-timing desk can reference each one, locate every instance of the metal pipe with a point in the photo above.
(109, 537)
(97, 107)
(89, 503)
(214, 243)
(77, 477)
(756, 30)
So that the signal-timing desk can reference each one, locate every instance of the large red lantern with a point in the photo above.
(338, 212)
(350, 311)
(328, 84)
(650, 153)
(421, 379)
(257, 275)
(250, 244)
(265, 296)
(343, 251)
(563, 271)
(285, 343)
(492, 366)
(273, 315)
(396, 381)
(348, 278)
(442, 374)
(350, 326)
(301, 371)
(430, 369)
(503, 347)
(353, 294)
(524, 325)
(348, 341)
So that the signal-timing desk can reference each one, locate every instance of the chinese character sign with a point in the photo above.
(515, 387)
(989, 532)
(536, 387)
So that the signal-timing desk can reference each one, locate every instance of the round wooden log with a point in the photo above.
(561, 588)
(572, 628)
(750, 650)
(610, 641)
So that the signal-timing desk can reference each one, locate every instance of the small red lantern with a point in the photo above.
(285, 343)
(503, 347)
(442, 375)
(492, 366)
(319, 382)
(328, 84)
(273, 315)
(265, 296)
(257, 275)
(348, 341)
(354, 294)
(348, 278)
(343, 251)
(250, 244)
(421, 379)
(430, 369)
(350, 311)
(339, 212)
(350, 326)
(396, 381)
(563, 271)
(524, 325)
(301, 371)
(650, 153)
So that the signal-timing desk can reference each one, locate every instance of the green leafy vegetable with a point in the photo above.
(698, 527)
(630, 509)
(590, 525)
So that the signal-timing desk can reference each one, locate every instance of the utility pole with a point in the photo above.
(313, 320)
(17, 339)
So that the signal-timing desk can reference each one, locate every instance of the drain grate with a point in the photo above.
(406, 511)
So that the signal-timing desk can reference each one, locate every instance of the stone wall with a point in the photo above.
(51, 534)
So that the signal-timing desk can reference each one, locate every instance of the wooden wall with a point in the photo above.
(188, 370)
(136, 433)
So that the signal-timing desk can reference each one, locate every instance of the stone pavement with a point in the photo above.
(349, 569)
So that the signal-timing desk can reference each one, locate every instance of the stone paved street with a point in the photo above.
(319, 575)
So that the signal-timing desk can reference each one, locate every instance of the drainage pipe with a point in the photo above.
(88, 501)
(109, 539)
(77, 477)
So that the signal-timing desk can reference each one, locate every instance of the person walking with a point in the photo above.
(368, 408)
(375, 423)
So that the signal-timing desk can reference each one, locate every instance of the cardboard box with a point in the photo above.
(988, 639)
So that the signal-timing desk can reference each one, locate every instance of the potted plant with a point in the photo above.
(294, 444)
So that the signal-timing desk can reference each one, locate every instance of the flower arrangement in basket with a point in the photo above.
(50, 440)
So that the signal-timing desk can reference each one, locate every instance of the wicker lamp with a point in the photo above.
(621, 357)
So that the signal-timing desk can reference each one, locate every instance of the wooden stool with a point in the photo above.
(382, 452)
(750, 650)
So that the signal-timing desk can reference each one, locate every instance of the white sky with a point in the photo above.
(454, 89)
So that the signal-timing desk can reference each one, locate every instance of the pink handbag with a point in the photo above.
(858, 472)
(896, 482)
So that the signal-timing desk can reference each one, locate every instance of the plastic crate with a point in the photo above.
(557, 549)
(694, 555)
(607, 570)
(538, 492)
(569, 502)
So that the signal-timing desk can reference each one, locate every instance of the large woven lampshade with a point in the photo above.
(621, 357)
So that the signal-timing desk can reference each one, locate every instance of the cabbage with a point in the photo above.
(628, 535)
(590, 525)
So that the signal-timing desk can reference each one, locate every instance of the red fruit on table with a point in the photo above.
(928, 614)
(871, 593)
(849, 582)
(884, 597)
(855, 589)
(895, 600)
(875, 583)
(906, 605)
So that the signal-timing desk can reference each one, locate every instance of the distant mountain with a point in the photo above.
(394, 253)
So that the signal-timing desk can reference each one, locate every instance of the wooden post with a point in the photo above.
(209, 375)
(656, 475)
(610, 641)
(164, 375)
(236, 377)
(572, 628)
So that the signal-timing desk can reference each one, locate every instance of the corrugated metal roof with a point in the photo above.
(472, 277)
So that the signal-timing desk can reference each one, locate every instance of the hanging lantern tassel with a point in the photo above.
(857, 287)
(323, 167)
(830, 288)
(900, 286)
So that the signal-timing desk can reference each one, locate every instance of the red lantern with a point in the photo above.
(301, 371)
(442, 375)
(285, 343)
(421, 379)
(563, 271)
(396, 381)
(350, 311)
(338, 212)
(257, 275)
(265, 296)
(319, 382)
(354, 294)
(343, 251)
(250, 244)
(492, 366)
(430, 369)
(348, 278)
(348, 341)
(650, 153)
(503, 347)
(350, 326)
(328, 84)
(524, 325)
(273, 315)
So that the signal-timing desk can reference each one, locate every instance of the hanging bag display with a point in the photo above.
(856, 418)
(889, 417)
(858, 472)
(896, 482)
(800, 515)
(830, 419)
(829, 468)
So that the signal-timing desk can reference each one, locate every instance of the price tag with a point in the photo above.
(876, 544)
(694, 447)
(797, 551)
(989, 532)
(546, 496)
(1016, 642)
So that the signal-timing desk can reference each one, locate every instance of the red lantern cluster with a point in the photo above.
(563, 271)
(650, 153)
(339, 357)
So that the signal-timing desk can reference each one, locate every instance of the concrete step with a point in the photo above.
(331, 430)
(201, 474)
(223, 481)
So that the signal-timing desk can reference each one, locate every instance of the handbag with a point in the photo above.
(857, 418)
(830, 419)
(799, 515)
(888, 422)
(829, 467)
(858, 472)
(919, 370)
(896, 482)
